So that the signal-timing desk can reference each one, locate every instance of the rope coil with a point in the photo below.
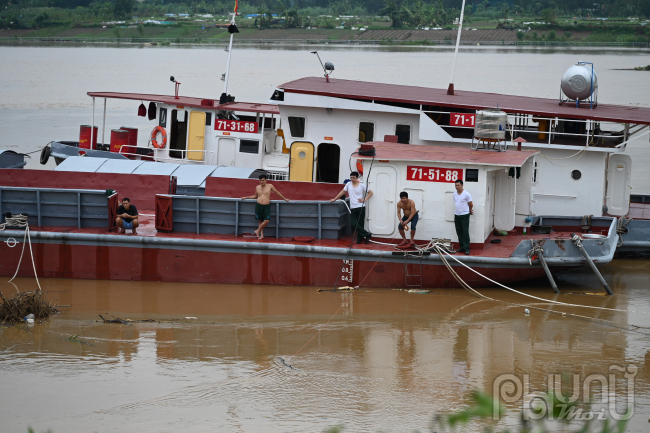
(621, 229)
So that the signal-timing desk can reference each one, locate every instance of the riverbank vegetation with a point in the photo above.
(528, 20)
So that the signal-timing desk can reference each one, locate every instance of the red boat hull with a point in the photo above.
(192, 266)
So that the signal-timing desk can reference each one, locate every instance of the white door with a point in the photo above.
(504, 201)
(619, 169)
(382, 206)
(226, 152)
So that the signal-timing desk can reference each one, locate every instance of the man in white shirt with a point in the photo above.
(464, 208)
(359, 195)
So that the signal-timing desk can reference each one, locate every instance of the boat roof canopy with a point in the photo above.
(188, 101)
(363, 90)
(447, 154)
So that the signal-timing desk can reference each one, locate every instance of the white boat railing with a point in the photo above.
(518, 124)
(156, 156)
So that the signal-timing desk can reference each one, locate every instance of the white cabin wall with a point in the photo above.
(434, 198)
(555, 192)
(343, 127)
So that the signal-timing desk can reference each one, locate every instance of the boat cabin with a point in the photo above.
(190, 130)
(582, 164)
(499, 182)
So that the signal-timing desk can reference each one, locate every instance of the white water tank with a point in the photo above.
(491, 124)
(577, 82)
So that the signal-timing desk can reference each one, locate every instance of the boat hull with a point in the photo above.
(110, 257)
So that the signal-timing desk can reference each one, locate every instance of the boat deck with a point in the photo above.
(147, 229)
(639, 211)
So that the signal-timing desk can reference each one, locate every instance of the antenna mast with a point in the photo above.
(232, 29)
(450, 89)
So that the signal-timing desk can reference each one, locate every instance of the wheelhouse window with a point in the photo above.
(249, 146)
(163, 118)
(471, 175)
(403, 133)
(297, 126)
(366, 131)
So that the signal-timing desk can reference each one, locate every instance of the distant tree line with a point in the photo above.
(402, 13)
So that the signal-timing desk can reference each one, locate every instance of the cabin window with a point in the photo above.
(576, 174)
(163, 118)
(297, 126)
(535, 173)
(249, 146)
(471, 175)
(208, 119)
(403, 133)
(366, 132)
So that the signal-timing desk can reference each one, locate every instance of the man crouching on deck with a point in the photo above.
(127, 216)
(263, 206)
(410, 216)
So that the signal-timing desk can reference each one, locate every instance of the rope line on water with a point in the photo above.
(542, 299)
(578, 316)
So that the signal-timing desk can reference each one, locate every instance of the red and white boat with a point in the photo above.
(204, 238)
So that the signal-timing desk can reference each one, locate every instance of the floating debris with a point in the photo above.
(21, 305)
(76, 339)
(419, 291)
(283, 362)
(116, 320)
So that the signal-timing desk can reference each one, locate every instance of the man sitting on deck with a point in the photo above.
(127, 216)
(263, 206)
(410, 215)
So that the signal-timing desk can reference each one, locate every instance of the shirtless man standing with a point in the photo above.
(410, 215)
(263, 206)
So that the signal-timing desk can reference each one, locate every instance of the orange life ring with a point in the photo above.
(163, 141)
(359, 166)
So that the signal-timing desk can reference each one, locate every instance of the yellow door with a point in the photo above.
(196, 137)
(301, 166)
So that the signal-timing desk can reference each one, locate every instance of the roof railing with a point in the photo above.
(518, 125)
(182, 160)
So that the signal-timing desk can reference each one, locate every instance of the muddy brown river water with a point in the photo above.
(387, 361)
(209, 359)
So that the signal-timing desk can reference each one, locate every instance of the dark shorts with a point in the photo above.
(127, 224)
(262, 212)
(414, 221)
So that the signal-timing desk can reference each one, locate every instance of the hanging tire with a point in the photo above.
(45, 154)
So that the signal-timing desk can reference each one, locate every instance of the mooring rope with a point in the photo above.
(535, 297)
(621, 229)
(21, 221)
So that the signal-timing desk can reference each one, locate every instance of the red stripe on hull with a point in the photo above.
(170, 265)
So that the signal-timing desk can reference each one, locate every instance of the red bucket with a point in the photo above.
(85, 141)
(119, 138)
(133, 140)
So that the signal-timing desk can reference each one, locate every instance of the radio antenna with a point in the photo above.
(328, 67)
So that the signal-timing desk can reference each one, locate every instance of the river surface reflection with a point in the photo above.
(209, 359)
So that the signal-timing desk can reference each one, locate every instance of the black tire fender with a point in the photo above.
(45, 154)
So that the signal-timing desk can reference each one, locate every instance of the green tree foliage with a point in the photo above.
(123, 9)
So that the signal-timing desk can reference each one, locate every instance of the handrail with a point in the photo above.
(182, 160)
(588, 133)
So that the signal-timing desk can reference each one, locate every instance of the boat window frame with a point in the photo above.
(162, 117)
(304, 126)
(241, 143)
(374, 127)
(410, 131)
